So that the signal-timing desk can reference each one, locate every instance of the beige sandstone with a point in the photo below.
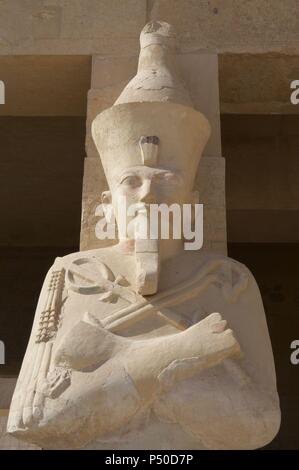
(143, 344)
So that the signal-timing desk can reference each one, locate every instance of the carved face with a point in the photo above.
(143, 185)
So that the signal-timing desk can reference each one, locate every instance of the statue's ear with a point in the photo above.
(106, 204)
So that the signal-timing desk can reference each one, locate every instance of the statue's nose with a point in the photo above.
(147, 194)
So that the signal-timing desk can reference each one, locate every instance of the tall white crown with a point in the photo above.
(153, 121)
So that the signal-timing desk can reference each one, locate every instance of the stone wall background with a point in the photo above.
(112, 27)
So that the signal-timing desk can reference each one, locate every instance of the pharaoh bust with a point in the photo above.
(143, 344)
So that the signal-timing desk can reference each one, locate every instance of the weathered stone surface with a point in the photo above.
(71, 26)
(109, 76)
(42, 158)
(8, 442)
(199, 72)
(257, 84)
(210, 183)
(134, 335)
(232, 26)
(215, 225)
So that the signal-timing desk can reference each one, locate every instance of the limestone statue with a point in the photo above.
(142, 344)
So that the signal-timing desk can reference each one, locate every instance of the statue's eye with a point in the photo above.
(133, 181)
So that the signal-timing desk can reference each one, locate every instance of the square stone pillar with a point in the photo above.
(200, 73)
